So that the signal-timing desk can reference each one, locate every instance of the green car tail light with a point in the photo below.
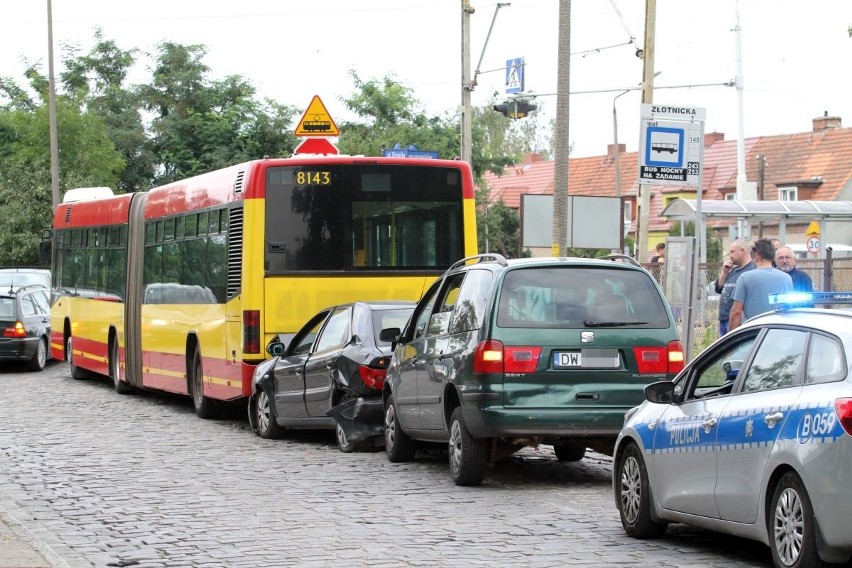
(659, 359)
(491, 356)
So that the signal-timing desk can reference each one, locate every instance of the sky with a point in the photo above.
(796, 56)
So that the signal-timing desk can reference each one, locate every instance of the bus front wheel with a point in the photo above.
(204, 407)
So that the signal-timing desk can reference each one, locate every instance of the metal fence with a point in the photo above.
(834, 275)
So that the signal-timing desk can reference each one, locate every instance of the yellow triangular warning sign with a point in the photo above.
(813, 228)
(316, 121)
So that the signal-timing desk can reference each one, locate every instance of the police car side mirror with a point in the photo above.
(661, 392)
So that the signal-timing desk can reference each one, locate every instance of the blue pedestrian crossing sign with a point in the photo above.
(515, 75)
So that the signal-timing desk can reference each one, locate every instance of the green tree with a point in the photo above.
(389, 114)
(201, 125)
(97, 81)
(87, 158)
(498, 227)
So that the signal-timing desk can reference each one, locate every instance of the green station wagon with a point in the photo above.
(501, 354)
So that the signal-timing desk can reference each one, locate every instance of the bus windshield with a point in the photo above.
(364, 217)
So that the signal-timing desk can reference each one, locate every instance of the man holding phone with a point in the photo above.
(738, 261)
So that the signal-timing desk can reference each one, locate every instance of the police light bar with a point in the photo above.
(793, 299)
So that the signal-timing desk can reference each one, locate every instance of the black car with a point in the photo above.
(336, 361)
(25, 321)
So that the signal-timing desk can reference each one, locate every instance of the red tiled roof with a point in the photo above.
(823, 156)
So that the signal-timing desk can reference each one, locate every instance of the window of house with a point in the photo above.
(730, 196)
(788, 193)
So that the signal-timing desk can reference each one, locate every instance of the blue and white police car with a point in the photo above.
(753, 437)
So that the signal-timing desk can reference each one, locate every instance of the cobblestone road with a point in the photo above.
(98, 479)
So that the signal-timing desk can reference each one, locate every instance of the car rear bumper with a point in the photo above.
(360, 418)
(20, 349)
(495, 421)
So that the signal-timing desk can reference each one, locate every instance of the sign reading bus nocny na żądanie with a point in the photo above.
(671, 145)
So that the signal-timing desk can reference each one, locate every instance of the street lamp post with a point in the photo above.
(617, 158)
(54, 143)
(615, 143)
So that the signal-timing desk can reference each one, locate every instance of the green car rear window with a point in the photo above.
(578, 297)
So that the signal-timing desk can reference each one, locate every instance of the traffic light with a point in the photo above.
(515, 109)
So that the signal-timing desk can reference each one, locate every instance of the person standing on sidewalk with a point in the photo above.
(785, 260)
(738, 262)
(751, 293)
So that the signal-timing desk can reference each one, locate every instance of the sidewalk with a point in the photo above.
(15, 551)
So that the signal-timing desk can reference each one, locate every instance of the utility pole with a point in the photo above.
(54, 143)
(761, 177)
(562, 150)
(644, 201)
(467, 85)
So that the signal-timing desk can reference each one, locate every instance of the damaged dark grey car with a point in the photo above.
(331, 375)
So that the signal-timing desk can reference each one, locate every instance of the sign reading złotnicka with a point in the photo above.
(671, 145)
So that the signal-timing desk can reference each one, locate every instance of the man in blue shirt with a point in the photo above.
(738, 262)
(785, 260)
(751, 294)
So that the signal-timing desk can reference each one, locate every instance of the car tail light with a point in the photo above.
(251, 331)
(650, 360)
(676, 357)
(521, 359)
(492, 356)
(843, 408)
(655, 360)
(372, 377)
(488, 357)
(16, 330)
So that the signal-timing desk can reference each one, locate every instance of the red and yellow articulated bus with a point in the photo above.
(180, 288)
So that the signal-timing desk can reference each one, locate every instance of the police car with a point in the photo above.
(753, 437)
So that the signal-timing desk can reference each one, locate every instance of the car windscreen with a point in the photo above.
(384, 319)
(362, 217)
(580, 297)
(7, 308)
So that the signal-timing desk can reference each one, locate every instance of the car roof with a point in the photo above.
(15, 290)
(832, 320)
(375, 304)
(497, 262)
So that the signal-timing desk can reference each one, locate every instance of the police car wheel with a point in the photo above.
(632, 496)
(791, 525)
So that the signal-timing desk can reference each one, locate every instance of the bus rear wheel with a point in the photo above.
(204, 407)
(121, 387)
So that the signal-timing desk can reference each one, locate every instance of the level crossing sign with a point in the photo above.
(316, 121)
